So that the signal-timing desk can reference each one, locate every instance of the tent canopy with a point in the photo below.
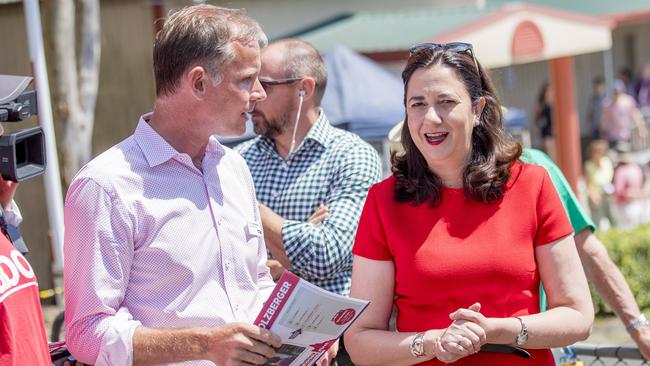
(361, 96)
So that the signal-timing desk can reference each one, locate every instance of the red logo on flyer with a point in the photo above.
(343, 316)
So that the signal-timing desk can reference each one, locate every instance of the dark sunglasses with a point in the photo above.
(459, 47)
(267, 83)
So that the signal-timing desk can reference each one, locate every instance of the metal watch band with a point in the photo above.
(637, 323)
(522, 337)
(417, 345)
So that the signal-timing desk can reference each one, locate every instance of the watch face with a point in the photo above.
(522, 339)
(417, 346)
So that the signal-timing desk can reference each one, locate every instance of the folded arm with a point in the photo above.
(322, 250)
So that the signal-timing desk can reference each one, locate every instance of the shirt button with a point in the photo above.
(227, 265)
(275, 194)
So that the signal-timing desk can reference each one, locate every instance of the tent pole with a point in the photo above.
(53, 193)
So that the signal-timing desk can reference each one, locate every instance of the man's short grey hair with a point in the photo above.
(301, 59)
(201, 35)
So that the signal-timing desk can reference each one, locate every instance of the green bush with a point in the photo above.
(630, 250)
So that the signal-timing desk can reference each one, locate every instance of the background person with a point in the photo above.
(311, 179)
(22, 332)
(620, 116)
(164, 256)
(310, 195)
(643, 87)
(599, 172)
(435, 235)
(595, 109)
(544, 117)
(601, 271)
(629, 190)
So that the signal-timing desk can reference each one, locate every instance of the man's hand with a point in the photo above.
(321, 213)
(240, 344)
(328, 356)
(276, 268)
(7, 190)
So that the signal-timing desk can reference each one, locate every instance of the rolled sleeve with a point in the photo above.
(321, 251)
(116, 345)
(98, 252)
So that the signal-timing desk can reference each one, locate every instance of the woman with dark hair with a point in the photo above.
(544, 117)
(462, 233)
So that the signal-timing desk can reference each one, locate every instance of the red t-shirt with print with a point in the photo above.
(22, 331)
(463, 251)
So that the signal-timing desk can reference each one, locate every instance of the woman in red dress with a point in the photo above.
(461, 235)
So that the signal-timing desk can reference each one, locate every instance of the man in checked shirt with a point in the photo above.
(311, 179)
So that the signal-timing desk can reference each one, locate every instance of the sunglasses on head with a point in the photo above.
(266, 83)
(459, 47)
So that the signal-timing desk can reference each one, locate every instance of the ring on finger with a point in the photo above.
(465, 344)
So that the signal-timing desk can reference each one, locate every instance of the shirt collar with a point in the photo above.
(157, 151)
(320, 133)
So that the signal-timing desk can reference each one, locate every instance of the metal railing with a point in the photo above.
(607, 355)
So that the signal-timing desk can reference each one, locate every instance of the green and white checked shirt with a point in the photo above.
(331, 166)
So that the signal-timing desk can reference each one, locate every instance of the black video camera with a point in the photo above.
(22, 153)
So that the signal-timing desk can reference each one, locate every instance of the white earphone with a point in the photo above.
(301, 95)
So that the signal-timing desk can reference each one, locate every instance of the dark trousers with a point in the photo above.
(342, 357)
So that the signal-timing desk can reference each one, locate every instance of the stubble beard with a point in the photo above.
(274, 127)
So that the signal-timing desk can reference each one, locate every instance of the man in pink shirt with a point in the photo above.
(164, 248)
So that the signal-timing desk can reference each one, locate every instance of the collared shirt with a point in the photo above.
(152, 240)
(331, 167)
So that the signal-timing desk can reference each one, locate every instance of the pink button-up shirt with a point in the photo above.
(151, 240)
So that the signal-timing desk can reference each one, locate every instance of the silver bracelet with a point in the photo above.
(637, 323)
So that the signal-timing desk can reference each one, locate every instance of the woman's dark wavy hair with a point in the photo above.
(493, 151)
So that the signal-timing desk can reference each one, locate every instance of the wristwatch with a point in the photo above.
(417, 345)
(637, 323)
(522, 337)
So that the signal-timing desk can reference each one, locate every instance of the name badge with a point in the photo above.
(254, 229)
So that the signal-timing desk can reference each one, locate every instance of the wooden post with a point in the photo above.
(565, 119)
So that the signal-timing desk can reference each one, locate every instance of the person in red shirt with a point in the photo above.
(462, 233)
(22, 331)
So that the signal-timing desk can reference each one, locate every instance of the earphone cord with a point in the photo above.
(295, 127)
